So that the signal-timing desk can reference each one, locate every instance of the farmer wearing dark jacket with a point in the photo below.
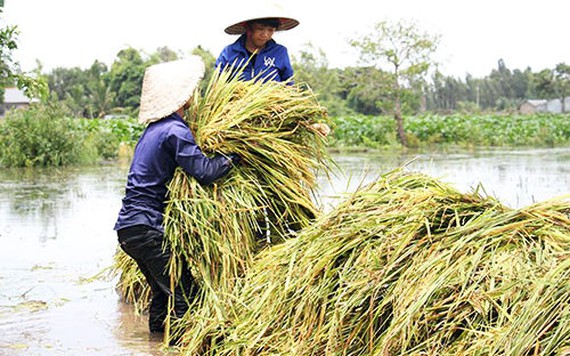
(255, 50)
(167, 143)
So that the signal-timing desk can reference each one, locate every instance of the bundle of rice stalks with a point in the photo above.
(216, 230)
(272, 191)
(410, 266)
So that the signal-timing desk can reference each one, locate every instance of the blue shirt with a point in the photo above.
(270, 63)
(163, 146)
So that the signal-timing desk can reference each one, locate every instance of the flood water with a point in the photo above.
(56, 234)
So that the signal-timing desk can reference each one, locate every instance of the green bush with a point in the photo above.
(108, 134)
(48, 135)
(43, 135)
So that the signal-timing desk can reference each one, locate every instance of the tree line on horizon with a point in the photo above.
(395, 75)
(101, 90)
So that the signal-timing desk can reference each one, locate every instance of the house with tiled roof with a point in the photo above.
(533, 106)
(14, 98)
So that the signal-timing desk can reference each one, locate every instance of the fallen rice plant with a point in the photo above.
(409, 266)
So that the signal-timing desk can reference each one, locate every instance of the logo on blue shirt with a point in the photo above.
(269, 61)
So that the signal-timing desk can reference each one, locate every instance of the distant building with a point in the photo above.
(552, 106)
(555, 105)
(14, 98)
(533, 106)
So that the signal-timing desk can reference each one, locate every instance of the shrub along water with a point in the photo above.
(47, 135)
(43, 135)
(109, 134)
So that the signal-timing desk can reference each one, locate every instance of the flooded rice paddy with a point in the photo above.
(57, 240)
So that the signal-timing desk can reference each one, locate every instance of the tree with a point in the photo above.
(311, 69)
(407, 50)
(163, 54)
(367, 90)
(562, 82)
(125, 78)
(209, 62)
(70, 86)
(10, 73)
(447, 93)
(544, 84)
(100, 97)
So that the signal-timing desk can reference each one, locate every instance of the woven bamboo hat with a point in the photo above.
(168, 86)
(265, 10)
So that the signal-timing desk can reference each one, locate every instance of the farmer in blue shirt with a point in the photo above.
(255, 50)
(259, 57)
(166, 143)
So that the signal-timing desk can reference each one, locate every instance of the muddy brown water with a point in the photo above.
(56, 234)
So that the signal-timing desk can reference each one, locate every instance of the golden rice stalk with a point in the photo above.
(269, 126)
(408, 265)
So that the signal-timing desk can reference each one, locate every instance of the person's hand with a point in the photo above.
(322, 129)
(235, 158)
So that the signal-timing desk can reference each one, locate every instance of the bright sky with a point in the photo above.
(474, 34)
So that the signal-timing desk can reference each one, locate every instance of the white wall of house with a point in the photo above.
(552, 106)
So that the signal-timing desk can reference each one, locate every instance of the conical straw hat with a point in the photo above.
(168, 86)
(262, 11)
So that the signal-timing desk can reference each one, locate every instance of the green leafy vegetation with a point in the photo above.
(109, 134)
(482, 130)
(42, 136)
(47, 135)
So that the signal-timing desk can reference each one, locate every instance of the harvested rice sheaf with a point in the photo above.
(404, 266)
(409, 266)
(215, 231)
(269, 126)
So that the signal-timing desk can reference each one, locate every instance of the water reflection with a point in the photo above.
(56, 233)
(516, 177)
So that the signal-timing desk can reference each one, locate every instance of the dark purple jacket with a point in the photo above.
(163, 146)
(272, 62)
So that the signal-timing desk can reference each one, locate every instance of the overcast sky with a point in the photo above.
(474, 34)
